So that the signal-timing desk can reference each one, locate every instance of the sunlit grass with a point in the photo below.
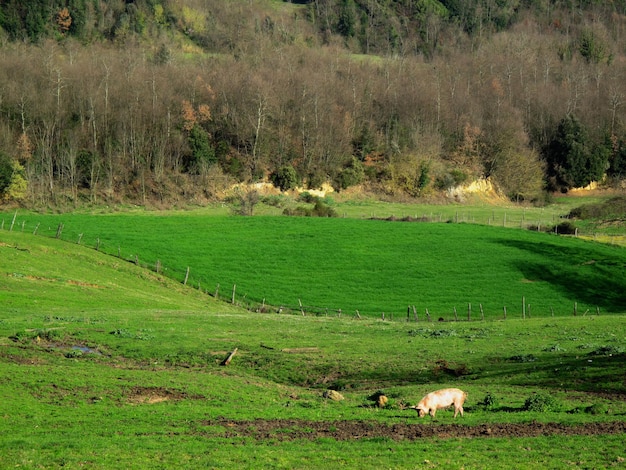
(144, 397)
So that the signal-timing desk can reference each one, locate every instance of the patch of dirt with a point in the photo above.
(151, 395)
(289, 429)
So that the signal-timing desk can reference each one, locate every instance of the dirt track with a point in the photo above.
(348, 430)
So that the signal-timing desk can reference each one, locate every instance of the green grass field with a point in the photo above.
(374, 267)
(104, 364)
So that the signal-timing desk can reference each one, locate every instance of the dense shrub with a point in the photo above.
(284, 178)
(320, 209)
(541, 402)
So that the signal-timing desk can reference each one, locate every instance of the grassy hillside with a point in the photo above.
(94, 374)
(372, 266)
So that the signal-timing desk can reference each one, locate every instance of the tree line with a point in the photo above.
(162, 101)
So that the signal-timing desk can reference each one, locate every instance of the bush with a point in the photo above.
(320, 209)
(352, 174)
(541, 403)
(279, 200)
(308, 198)
(490, 402)
(323, 210)
(451, 179)
(565, 228)
(284, 178)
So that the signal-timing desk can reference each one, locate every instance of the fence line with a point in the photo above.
(260, 306)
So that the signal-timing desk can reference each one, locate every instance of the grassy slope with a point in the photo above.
(368, 265)
(141, 402)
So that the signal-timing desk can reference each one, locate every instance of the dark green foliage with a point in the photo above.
(565, 228)
(308, 198)
(346, 24)
(364, 143)
(86, 166)
(6, 172)
(592, 48)
(617, 161)
(490, 402)
(284, 178)
(351, 175)
(573, 158)
(202, 151)
(454, 177)
(423, 178)
(541, 402)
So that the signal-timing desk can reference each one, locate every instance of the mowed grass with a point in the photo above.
(95, 375)
(374, 267)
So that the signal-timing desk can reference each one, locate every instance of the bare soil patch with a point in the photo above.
(151, 395)
(289, 429)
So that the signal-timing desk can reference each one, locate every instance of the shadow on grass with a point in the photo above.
(586, 373)
(594, 275)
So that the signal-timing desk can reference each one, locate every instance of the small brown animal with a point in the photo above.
(441, 399)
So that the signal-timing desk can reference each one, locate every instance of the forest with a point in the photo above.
(167, 102)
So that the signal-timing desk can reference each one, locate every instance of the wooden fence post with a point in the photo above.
(80, 237)
(415, 313)
(482, 314)
(217, 290)
(233, 297)
(36, 228)
(456, 318)
(186, 277)
(230, 357)
(13, 222)
(505, 312)
(469, 312)
(301, 308)
(427, 315)
(575, 308)
(524, 307)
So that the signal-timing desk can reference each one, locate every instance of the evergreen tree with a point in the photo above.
(573, 159)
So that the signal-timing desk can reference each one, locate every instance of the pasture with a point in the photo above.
(107, 364)
(354, 267)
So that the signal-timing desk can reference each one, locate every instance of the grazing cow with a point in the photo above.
(441, 399)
